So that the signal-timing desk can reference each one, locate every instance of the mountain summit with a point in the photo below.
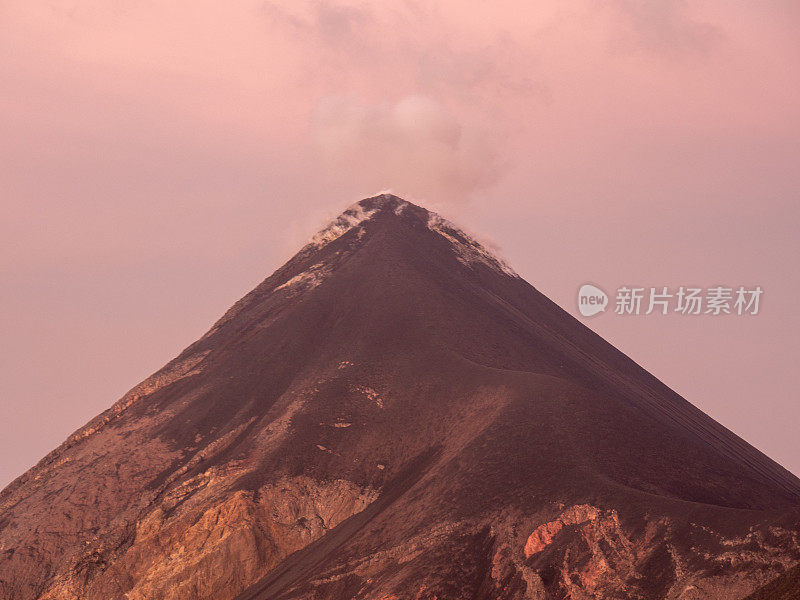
(395, 414)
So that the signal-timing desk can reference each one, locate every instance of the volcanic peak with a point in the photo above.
(468, 250)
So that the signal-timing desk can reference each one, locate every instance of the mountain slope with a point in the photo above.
(395, 413)
(785, 587)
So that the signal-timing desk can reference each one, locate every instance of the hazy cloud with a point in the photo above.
(418, 44)
(667, 27)
(414, 145)
(332, 20)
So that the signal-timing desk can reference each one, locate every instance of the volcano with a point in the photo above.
(395, 414)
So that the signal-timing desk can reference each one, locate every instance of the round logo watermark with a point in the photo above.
(591, 300)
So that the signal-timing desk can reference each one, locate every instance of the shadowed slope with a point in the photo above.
(785, 587)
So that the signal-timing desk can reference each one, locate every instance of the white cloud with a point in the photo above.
(414, 146)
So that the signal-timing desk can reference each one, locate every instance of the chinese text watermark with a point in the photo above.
(684, 300)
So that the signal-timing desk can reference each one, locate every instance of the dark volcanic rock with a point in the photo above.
(395, 414)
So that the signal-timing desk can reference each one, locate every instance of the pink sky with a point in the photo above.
(157, 160)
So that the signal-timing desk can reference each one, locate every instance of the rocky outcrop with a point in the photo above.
(211, 549)
(544, 534)
(586, 553)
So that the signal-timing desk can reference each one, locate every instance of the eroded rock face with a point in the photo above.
(394, 414)
(544, 534)
(587, 553)
(215, 550)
